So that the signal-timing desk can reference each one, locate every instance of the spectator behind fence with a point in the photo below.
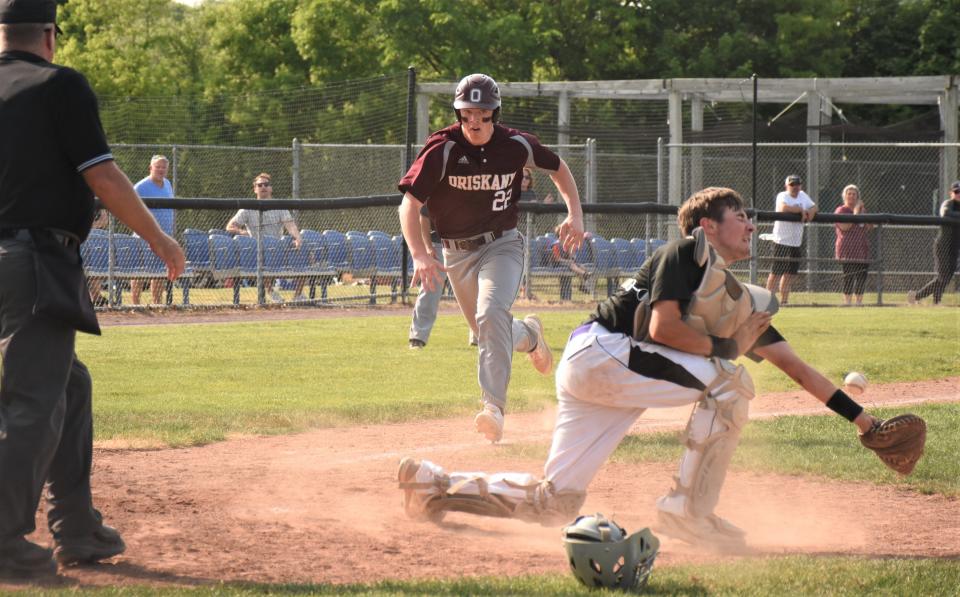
(155, 186)
(945, 249)
(527, 192)
(852, 248)
(249, 222)
(54, 157)
(787, 237)
(94, 283)
(560, 258)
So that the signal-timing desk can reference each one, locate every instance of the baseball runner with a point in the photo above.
(469, 175)
(666, 339)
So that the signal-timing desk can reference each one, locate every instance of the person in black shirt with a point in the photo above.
(53, 158)
(666, 339)
(946, 249)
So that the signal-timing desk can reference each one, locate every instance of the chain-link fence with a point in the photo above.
(350, 254)
(303, 170)
(898, 178)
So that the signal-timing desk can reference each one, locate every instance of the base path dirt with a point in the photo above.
(322, 506)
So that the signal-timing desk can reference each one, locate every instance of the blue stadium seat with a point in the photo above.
(128, 255)
(309, 258)
(274, 250)
(153, 266)
(541, 260)
(95, 252)
(196, 244)
(605, 257)
(335, 248)
(371, 234)
(638, 254)
(362, 256)
(246, 248)
(223, 257)
(388, 255)
(655, 243)
(584, 255)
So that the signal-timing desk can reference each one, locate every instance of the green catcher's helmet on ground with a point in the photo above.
(602, 555)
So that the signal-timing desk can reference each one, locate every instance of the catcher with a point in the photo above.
(666, 339)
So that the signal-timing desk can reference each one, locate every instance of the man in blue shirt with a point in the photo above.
(155, 186)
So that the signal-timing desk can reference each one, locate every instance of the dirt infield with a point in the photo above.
(322, 506)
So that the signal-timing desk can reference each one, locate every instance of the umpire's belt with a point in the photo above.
(471, 243)
(64, 238)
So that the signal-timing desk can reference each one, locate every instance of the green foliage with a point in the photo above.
(224, 60)
(132, 47)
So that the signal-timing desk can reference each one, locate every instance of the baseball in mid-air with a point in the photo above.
(855, 383)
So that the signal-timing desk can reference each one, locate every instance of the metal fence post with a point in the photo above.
(261, 291)
(880, 265)
(173, 164)
(592, 169)
(113, 291)
(590, 182)
(295, 191)
(660, 201)
(408, 159)
(528, 254)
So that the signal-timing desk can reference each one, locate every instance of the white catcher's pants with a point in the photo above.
(599, 399)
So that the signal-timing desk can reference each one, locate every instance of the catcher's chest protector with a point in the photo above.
(721, 303)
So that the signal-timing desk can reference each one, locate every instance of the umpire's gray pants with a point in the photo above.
(485, 282)
(425, 309)
(45, 411)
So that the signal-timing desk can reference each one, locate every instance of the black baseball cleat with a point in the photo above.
(22, 559)
(100, 544)
(416, 344)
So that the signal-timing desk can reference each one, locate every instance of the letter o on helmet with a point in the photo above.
(602, 555)
(477, 91)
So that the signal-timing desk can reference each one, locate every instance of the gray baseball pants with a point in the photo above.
(425, 309)
(486, 281)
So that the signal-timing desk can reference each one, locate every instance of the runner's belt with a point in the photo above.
(472, 243)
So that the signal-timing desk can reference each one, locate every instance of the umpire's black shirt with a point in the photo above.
(50, 132)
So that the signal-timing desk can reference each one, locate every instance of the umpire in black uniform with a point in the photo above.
(53, 158)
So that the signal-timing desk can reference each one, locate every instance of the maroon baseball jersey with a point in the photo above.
(474, 189)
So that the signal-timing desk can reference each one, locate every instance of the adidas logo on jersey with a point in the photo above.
(463, 160)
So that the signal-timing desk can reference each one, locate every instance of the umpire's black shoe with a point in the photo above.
(105, 542)
(22, 559)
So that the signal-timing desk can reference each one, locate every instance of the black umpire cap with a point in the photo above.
(28, 11)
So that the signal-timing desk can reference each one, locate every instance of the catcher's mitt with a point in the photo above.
(898, 441)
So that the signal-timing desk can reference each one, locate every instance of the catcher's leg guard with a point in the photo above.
(429, 493)
(711, 437)
(421, 482)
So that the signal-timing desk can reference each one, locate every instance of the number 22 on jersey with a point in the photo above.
(501, 199)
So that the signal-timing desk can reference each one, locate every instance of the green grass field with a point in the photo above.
(794, 576)
(172, 385)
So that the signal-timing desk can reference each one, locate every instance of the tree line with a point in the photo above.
(220, 61)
